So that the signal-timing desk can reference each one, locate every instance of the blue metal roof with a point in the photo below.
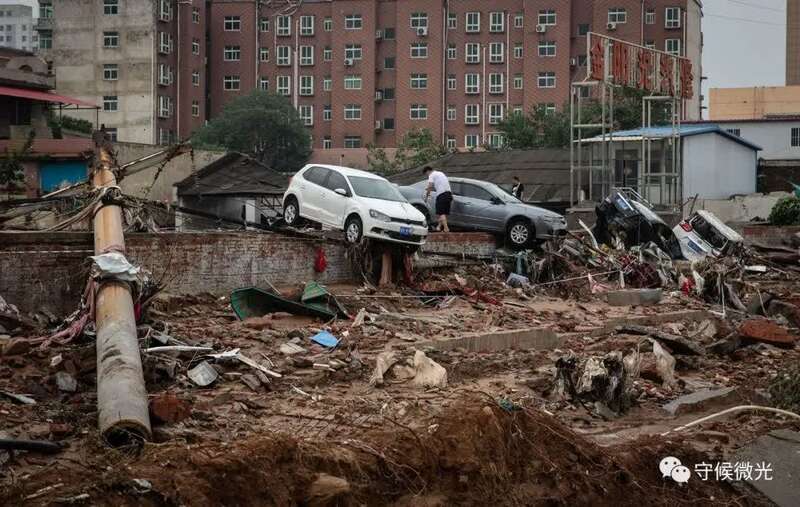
(685, 130)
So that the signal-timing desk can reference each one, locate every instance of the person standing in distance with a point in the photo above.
(438, 183)
(518, 189)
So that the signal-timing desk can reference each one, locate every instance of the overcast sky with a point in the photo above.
(745, 42)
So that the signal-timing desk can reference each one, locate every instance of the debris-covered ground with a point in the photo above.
(427, 397)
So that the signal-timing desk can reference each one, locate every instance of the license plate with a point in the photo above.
(405, 231)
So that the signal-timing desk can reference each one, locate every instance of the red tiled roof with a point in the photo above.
(55, 148)
(43, 96)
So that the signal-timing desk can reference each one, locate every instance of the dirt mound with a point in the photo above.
(478, 454)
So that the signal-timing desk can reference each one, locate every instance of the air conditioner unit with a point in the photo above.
(348, 62)
(378, 95)
(541, 28)
(422, 31)
(573, 62)
(611, 26)
(378, 125)
(379, 34)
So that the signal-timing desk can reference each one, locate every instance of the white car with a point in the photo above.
(359, 203)
(703, 234)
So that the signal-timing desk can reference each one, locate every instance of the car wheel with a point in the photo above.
(520, 234)
(291, 212)
(422, 209)
(353, 230)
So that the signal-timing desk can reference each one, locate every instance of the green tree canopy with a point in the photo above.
(417, 148)
(263, 125)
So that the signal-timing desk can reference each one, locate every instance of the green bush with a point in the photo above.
(786, 212)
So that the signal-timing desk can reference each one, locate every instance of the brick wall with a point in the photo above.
(769, 234)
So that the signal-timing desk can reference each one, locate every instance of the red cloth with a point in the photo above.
(321, 262)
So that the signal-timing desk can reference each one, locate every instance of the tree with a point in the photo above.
(417, 148)
(262, 125)
(542, 129)
(11, 170)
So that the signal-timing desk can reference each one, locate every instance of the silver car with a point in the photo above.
(483, 206)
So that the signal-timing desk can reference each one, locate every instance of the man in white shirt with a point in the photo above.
(438, 183)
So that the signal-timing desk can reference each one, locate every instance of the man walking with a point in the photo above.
(438, 183)
(518, 189)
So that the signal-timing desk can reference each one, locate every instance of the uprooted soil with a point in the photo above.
(477, 454)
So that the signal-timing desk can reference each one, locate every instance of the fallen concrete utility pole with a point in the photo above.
(123, 415)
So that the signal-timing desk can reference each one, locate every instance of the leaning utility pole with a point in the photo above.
(121, 395)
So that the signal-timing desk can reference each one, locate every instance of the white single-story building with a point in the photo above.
(778, 137)
(712, 164)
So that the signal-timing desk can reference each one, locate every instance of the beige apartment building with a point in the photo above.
(754, 103)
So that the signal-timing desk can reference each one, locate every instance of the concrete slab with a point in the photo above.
(644, 320)
(780, 449)
(519, 339)
(634, 297)
(701, 400)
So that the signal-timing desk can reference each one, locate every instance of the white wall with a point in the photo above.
(716, 167)
(742, 208)
(773, 136)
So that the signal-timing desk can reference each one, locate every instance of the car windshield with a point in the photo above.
(707, 231)
(500, 192)
(374, 188)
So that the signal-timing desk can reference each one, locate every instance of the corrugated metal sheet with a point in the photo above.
(234, 174)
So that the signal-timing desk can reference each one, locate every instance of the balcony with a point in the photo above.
(44, 24)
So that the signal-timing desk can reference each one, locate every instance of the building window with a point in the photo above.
(650, 17)
(795, 137)
(547, 17)
(327, 54)
(283, 55)
(306, 55)
(472, 84)
(283, 85)
(110, 7)
(164, 43)
(472, 52)
(497, 22)
(496, 83)
(327, 112)
(519, 21)
(195, 18)
(496, 139)
(617, 15)
(736, 132)
(547, 108)
(518, 81)
(165, 10)
(388, 62)
(583, 29)
(547, 80)
(232, 23)
(496, 52)
(230, 83)
(327, 83)
(264, 24)
(112, 134)
(195, 108)
(516, 109)
(195, 47)
(388, 94)
(164, 136)
(418, 112)
(352, 52)
(306, 113)
(518, 50)
(263, 54)
(164, 74)
(164, 106)
(110, 103)
(388, 34)
(110, 72)
(306, 86)
(419, 20)
(673, 46)
(352, 82)
(352, 141)
(451, 82)
(451, 51)
(451, 112)
(263, 84)
(195, 78)
(45, 39)
(352, 111)
(472, 141)
(547, 48)
(419, 81)
(306, 25)
(327, 24)
(232, 53)
(451, 142)
(496, 113)
(283, 26)
(419, 50)
(110, 39)
(452, 21)
(473, 22)
(353, 22)
(388, 124)
(472, 114)
(650, 44)
(327, 144)
(672, 17)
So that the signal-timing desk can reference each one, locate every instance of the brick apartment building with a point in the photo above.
(359, 71)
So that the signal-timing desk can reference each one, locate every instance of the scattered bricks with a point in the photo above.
(60, 430)
(167, 408)
(16, 347)
(634, 297)
(259, 323)
(766, 331)
(702, 400)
